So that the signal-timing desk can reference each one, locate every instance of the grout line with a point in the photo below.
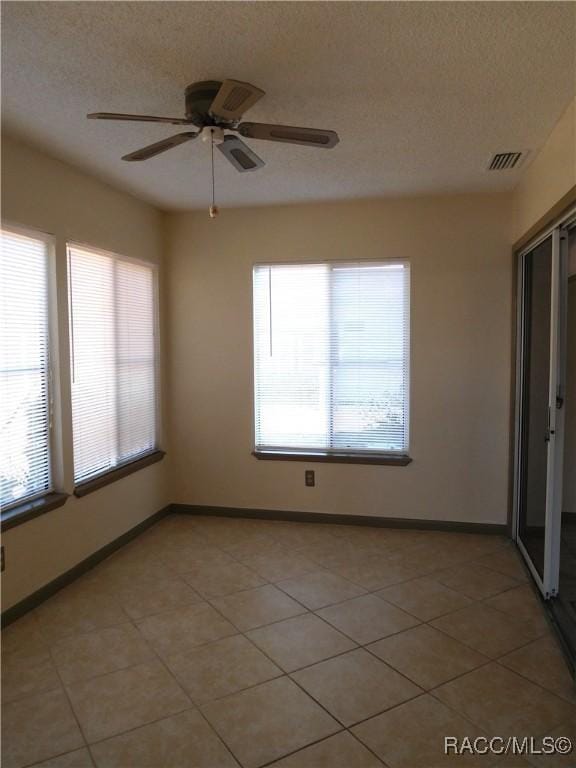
(189, 697)
(61, 754)
(301, 749)
(69, 700)
(366, 746)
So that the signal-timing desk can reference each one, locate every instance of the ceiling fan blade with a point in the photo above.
(234, 98)
(160, 146)
(137, 118)
(310, 137)
(240, 155)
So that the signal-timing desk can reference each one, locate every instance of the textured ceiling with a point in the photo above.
(421, 93)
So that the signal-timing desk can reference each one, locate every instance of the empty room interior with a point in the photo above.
(288, 384)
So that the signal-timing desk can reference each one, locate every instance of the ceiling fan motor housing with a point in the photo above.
(199, 98)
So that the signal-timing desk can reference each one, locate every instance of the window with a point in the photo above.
(331, 356)
(24, 368)
(113, 360)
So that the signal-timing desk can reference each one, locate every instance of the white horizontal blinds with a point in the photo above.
(331, 346)
(93, 362)
(292, 360)
(24, 368)
(370, 317)
(112, 334)
(136, 359)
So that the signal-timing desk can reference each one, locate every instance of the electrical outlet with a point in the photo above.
(2, 560)
(309, 478)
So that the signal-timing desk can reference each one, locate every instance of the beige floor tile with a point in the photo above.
(265, 723)
(37, 728)
(475, 581)
(279, 565)
(485, 629)
(184, 559)
(543, 663)
(522, 603)
(340, 751)
(221, 668)
(355, 686)
(119, 701)
(77, 609)
(507, 561)
(424, 598)
(412, 735)
(504, 704)
(297, 535)
(300, 641)
(376, 572)
(131, 564)
(145, 597)
(320, 588)
(80, 758)
(25, 673)
(23, 635)
(247, 548)
(80, 657)
(230, 538)
(257, 607)
(180, 630)
(183, 741)
(427, 656)
(213, 580)
(367, 618)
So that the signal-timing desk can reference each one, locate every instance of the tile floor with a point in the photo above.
(213, 643)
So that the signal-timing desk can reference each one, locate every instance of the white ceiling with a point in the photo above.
(421, 93)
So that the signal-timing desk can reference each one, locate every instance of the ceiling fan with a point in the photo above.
(216, 108)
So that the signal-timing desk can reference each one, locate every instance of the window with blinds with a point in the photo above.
(331, 357)
(24, 368)
(113, 360)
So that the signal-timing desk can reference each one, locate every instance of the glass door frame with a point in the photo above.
(548, 581)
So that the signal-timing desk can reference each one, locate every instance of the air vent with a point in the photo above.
(504, 161)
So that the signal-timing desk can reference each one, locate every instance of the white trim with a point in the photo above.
(387, 261)
(532, 568)
(520, 340)
(26, 231)
(564, 220)
(553, 503)
(111, 254)
(548, 581)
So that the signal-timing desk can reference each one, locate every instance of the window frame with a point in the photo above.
(134, 463)
(391, 458)
(52, 497)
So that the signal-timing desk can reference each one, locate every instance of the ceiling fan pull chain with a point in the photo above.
(213, 210)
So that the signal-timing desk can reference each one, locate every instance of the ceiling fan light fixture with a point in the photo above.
(211, 133)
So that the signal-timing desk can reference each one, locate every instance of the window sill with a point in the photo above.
(28, 510)
(336, 458)
(83, 489)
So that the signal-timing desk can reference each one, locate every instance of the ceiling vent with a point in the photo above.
(505, 161)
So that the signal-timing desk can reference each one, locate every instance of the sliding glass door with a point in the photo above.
(540, 399)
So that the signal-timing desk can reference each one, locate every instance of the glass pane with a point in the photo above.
(537, 303)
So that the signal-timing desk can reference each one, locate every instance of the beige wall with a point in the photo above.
(40, 192)
(461, 268)
(550, 175)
